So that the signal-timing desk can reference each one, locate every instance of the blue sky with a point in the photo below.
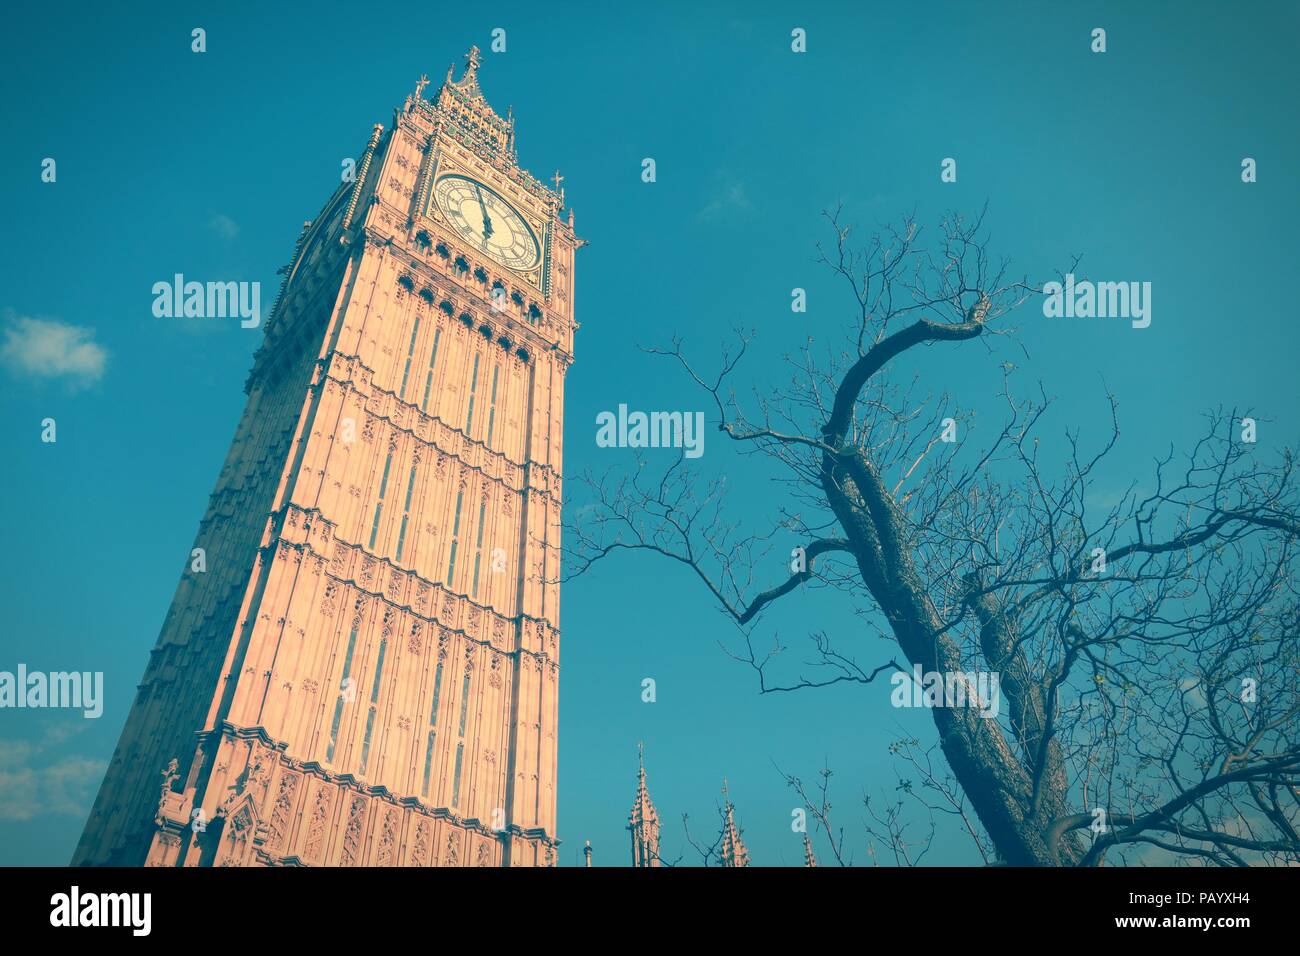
(168, 162)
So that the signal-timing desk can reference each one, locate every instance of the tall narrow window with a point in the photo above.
(410, 353)
(379, 506)
(379, 672)
(464, 704)
(492, 409)
(374, 701)
(433, 734)
(473, 387)
(460, 747)
(428, 379)
(437, 692)
(478, 545)
(365, 747)
(345, 694)
(406, 514)
(455, 787)
(428, 763)
(455, 532)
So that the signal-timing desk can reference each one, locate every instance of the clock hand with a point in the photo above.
(487, 220)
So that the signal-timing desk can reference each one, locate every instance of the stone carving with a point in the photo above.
(170, 775)
(235, 837)
(282, 808)
(319, 822)
(420, 852)
(258, 776)
(327, 602)
(352, 835)
(387, 839)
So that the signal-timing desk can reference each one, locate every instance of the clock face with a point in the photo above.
(487, 221)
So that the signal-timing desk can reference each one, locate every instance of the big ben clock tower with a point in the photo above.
(364, 670)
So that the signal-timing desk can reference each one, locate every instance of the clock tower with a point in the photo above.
(365, 670)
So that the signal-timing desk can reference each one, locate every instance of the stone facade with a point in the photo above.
(366, 673)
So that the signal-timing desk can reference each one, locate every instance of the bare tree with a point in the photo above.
(818, 804)
(1145, 642)
(710, 853)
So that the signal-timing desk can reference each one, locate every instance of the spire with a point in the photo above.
(643, 821)
(808, 858)
(461, 101)
(468, 81)
(732, 851)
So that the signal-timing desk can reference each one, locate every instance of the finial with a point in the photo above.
(471, 63)
(640, 754)
(420, 85)
(724, 790)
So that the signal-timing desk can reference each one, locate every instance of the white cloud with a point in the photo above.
(48, 348)
(63, 788)
(731, 197)
(223, 226)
